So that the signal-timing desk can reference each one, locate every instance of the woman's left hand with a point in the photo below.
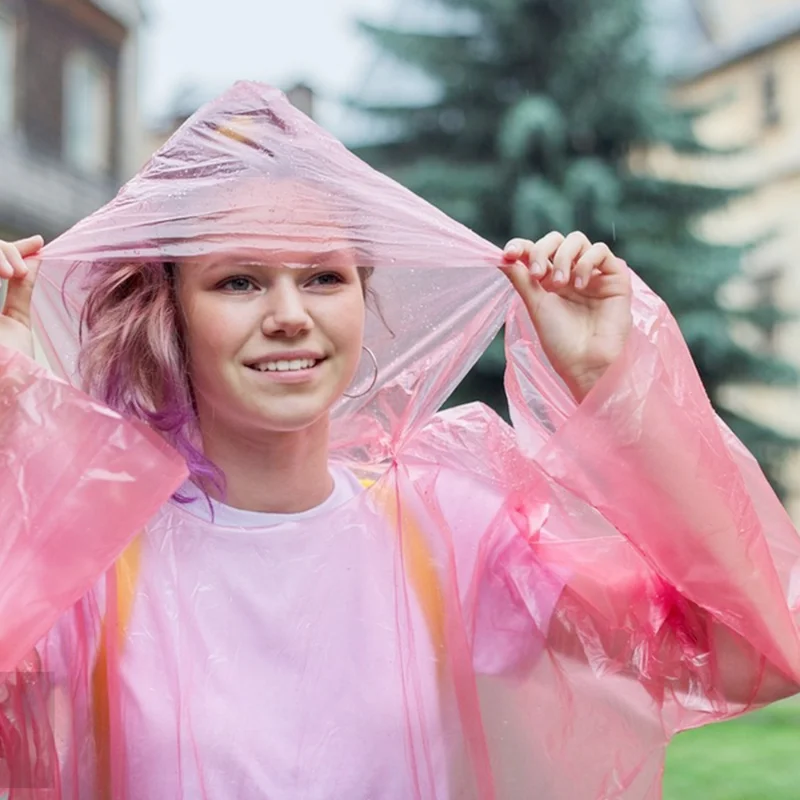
(578, 295)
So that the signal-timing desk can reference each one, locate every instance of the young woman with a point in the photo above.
(345, 594)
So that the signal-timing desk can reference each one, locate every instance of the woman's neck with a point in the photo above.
(279, 473)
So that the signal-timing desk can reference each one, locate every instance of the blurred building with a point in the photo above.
(744, 62)
(69, 119)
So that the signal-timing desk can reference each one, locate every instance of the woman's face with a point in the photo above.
(271, 347)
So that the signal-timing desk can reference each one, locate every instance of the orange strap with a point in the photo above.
(125, 575)
(418, 564)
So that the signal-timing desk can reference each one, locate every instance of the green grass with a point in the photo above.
(755, 757)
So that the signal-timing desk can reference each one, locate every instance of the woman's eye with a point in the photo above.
(326, 279)
(237, 284)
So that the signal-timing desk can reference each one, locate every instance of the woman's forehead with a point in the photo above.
(273, 222)
(327, 254)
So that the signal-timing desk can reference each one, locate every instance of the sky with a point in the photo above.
(187, 43)
(205, 45)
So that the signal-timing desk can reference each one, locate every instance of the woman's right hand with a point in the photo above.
(18, 265)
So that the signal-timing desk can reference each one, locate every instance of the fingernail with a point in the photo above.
(537, 268)
(579, 282)
(559, 276)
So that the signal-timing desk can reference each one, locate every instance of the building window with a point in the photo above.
(87, 113)
(769, 95)
(8, 54)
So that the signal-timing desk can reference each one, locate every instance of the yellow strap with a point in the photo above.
(126, 571)
(418, 565)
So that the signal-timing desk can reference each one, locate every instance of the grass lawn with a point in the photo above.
(756, 757)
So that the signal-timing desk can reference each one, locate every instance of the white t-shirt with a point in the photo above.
(287, 656)
(263, 652)
(345, 487)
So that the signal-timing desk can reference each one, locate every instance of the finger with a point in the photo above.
(571, 249)
(6, 270)
(545, 251)
(525, 250)
(527, 288)
(13, 261)
(540, 254)
(515, 249)
(596, 260)
(548, 246)
(20, 292)
(29, 246)
(13, 254)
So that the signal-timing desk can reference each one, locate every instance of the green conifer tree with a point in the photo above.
(540, 106)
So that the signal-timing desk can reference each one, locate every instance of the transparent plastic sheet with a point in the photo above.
(76, 484)
(503, 613)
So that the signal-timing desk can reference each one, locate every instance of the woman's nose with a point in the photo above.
(287, 312)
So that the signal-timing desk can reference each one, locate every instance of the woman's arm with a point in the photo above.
(691, 653)
(715, 549)
(76, 484)
(709, 597)
(76, 480)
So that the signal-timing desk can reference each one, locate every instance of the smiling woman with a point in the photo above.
(239, 320)
(143, 327)
(357, 596)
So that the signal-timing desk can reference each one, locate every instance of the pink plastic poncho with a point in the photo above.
(505, 613)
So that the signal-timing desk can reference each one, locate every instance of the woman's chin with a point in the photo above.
(294, 416)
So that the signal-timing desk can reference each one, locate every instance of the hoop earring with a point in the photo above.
(374, 375)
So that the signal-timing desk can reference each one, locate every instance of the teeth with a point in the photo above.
(285, 366)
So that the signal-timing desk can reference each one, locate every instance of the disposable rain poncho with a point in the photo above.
(526, 612)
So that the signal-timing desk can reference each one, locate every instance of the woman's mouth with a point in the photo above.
(286, 365)
(299, 369)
